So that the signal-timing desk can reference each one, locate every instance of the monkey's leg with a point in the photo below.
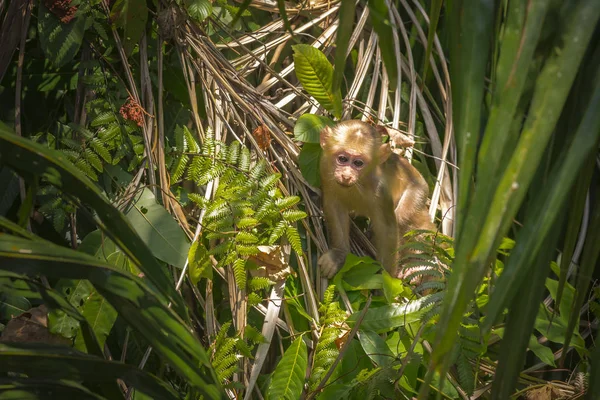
(386, 241)
(338, 228)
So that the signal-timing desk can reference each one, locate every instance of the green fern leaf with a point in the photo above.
(244, 237)
(294, 238)
(93, 159)
(239, 271)
(110, 132)
(104, 118)
(269, 181)
(254, 299)
(233, 153)
(244, 161)
(258, 170)
(247, 222)
(98, 146)
(259, 283)
(287, 202)
(190, 142)
(293, 215)
(277, 232)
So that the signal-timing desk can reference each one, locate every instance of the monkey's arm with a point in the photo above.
(338, 227)
(386, 239)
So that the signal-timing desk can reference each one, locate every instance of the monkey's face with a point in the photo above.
(348, 168)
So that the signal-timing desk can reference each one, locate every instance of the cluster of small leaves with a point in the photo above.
(332, 318)
(247, 210)
(226, 351)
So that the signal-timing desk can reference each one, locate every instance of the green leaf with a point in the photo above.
(199, 9)
(12, 306)
(59, 363)
(101, 317)
(36, 159)
(30, 389)
(376, 348)
(385, 318)
(380, 18)
(144, 309)
(60, 42)
(131, 15)
(157, 228)
(288, 378)
(308, 161)
(315, 73)
(308, 127)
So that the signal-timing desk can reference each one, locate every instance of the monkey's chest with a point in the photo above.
(361, 202)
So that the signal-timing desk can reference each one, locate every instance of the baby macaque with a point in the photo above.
(360, 175)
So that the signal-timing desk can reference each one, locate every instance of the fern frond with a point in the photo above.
(254, 299)
(244, 160)
(103, 118)
(190, 142)
(269, 181)
(287, 202)
(233, 153)
(244, 237)
(259, 283)
(98, 146)
(239, 271)
(292, 216)
(277, 232)
(294, 238)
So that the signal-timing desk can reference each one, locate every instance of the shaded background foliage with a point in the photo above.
(160, 199)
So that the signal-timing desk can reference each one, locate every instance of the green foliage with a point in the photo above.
(288, 378)
(247, 210)
(315, 73)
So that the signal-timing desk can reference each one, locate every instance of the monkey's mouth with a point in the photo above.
(346, 184)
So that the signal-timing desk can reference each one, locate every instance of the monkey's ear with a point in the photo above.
(326, 134)
(384, 152)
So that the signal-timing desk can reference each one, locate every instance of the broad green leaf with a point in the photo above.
(315, 73)
(308, 161)
(342, 39)
(544, 353)
(380, 18)
(157, 228)
(12, 306)
(309, 126)
(385, 318)
(30, 389)
(144, 309)
(131, 15)
(35, 159)
(100, 315)
(288, 378)
(475, 251)
(60, 41)
(550, 204)
(46, 361)
(376, 348)
(520, 322)
(393, 287)
(76, 292)
(199, 9)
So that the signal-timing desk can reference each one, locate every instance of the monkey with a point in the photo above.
(360, 175)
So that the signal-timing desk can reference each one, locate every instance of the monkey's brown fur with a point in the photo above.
(360, 175)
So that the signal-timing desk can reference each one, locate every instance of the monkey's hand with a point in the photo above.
(331, 262)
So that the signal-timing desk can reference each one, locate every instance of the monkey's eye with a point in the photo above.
(358, 163)
(342, 159)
